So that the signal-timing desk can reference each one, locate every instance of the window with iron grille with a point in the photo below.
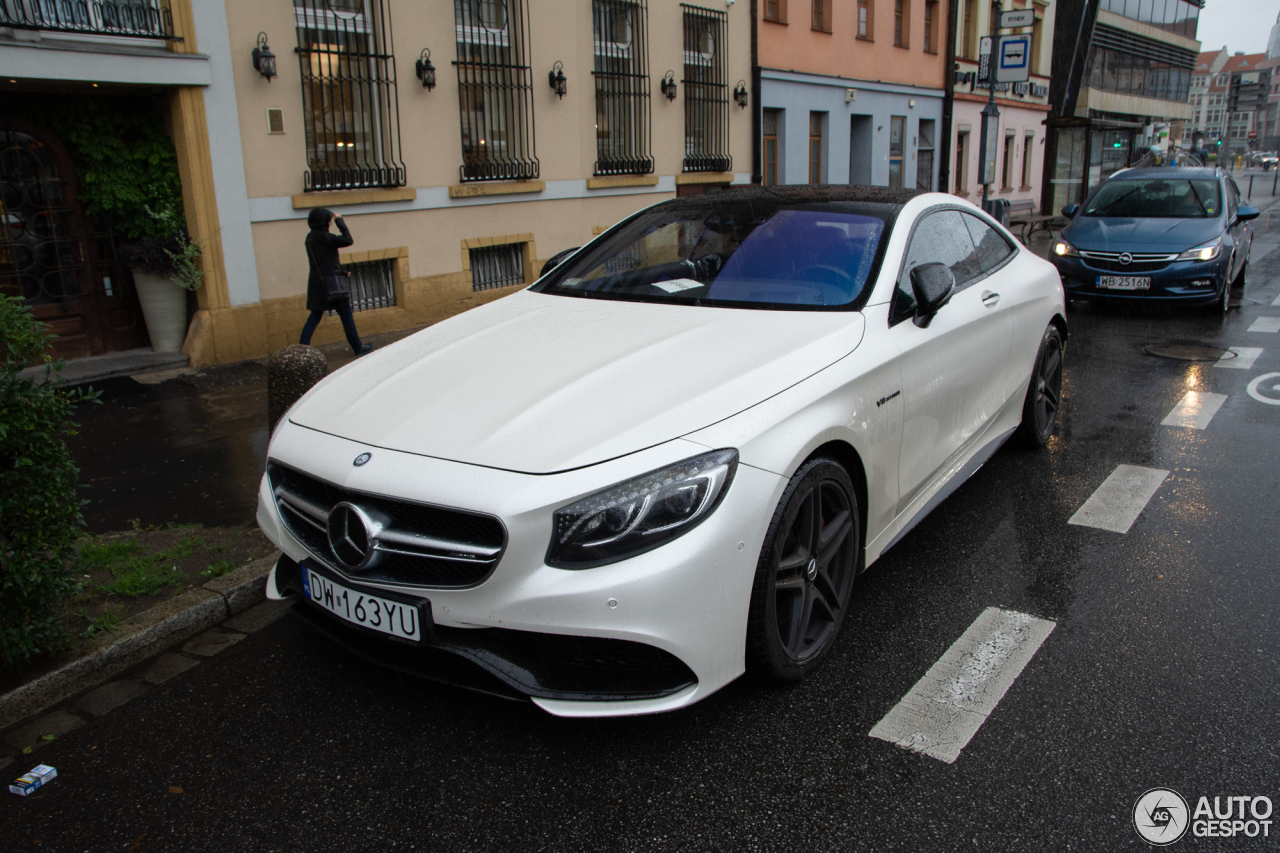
(372, 284)
(148, 19)
(350, 112)
(706, 90)
(623, 133)
(497, 266)
(495, 90)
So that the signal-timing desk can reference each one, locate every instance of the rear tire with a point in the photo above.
(804, 578)
(1044, 395)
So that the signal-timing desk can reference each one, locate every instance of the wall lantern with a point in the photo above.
(668, 85)
(263, 59)
(425, 70)
(740, 93)
(557, 79)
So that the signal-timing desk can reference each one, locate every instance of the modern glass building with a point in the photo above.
(1120, 85)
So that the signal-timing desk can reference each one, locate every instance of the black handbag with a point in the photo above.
(336, 285)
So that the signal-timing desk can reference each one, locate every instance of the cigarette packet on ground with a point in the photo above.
(28, 783)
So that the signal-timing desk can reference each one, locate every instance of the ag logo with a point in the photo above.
(1160, 816)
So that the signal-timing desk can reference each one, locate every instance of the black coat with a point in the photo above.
(322, 259)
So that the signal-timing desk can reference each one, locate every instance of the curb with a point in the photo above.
(141, 637)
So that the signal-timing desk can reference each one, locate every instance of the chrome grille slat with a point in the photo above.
(420, 545)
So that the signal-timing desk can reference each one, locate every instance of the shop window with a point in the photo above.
(897, 132)
(815, 148)
(495, 90)
(706, 91)
(350, 112)
(924, 156)
(623, 132)
(769, 147)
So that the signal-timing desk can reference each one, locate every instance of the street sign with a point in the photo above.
(1013, 59)
(1021, 18)
(984, 61)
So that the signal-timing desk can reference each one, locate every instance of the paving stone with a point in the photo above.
(108, 697)
(211, 642)
(5, 761)
(166, 667)
(258, 617)
(32, 735)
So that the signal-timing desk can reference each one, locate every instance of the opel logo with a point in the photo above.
(1126, 258)
(353, 536)
(361, 459)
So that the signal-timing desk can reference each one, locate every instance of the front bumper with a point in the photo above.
(1192, 282)
(654, 632)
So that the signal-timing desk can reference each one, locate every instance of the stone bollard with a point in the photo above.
(291, 372)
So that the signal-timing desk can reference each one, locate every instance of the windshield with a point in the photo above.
(752, 254)
(1158, 198)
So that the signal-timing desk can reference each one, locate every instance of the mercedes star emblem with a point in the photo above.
(351, 535)
(361, 459)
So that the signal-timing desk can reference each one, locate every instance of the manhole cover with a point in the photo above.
(1189, 352)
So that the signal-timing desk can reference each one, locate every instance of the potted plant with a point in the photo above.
(165, 265)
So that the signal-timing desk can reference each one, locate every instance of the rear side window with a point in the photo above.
(941, 238)
(993, 248)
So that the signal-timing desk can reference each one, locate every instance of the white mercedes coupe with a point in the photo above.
(663, 464)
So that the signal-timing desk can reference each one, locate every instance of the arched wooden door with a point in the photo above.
(53, 256)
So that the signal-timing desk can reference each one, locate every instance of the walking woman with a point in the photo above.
(322, 257)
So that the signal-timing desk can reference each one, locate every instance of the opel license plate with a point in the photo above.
(395, 618)
(1122, 282)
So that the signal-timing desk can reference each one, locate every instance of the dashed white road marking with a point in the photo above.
(1195, 409)
(1118, 502)
(945, 709)
(1244, 358)
(1265, 324)
(1255, 389)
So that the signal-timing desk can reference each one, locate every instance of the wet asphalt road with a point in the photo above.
(1162, 671)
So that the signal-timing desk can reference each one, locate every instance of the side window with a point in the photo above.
(993, 249)
(1233, 199)
(941, 238)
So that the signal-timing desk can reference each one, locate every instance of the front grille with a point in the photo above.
(420, 545)
(1140, 263)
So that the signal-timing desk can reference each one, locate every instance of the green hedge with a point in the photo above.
(40, 516)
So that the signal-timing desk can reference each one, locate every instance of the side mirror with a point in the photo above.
(932, 285)
(556, 260)
(1070, 210)
(1244, 213)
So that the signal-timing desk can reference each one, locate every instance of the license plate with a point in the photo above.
(1120, 282)
(394, 618)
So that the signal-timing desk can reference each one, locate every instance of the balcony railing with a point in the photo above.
(147, 19)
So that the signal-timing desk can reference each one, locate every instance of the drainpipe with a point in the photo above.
(948, 96)
(757, 111)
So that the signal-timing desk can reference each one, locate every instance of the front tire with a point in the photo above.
(804, 578)
(1040, 411)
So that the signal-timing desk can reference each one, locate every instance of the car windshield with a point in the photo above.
(1158, 198)
(757, 253)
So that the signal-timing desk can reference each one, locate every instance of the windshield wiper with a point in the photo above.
(1203, 210)
(1102, 210)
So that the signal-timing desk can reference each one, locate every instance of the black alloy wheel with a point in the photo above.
(1044, 396)
(805, 574)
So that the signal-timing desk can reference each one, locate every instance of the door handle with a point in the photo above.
(990, 300)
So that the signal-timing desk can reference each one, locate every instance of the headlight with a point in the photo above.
(641, 514)
(1062, 247)
(1206, 252)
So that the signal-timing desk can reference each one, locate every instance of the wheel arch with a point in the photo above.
(848, 457)
(1060, 323)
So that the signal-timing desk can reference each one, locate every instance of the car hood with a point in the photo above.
(1119, 234)
(539, 384)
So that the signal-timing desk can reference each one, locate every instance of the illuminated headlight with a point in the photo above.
(1062, 248)
(641, 514)
(1206, 252)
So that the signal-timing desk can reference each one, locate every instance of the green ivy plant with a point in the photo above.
(40, 507)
